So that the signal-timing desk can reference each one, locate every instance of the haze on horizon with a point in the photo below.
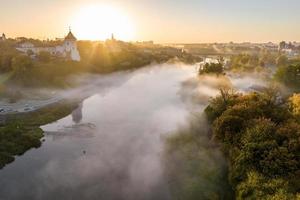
(189, 21)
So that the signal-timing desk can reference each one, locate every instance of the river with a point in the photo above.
(111, 146)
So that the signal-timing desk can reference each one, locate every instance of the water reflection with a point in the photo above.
(77, 114)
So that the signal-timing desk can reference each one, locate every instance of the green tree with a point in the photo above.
(281, 60)
(261, 140)
(282, 45)
(289, 75)
(21, 66)
(257, 186)
(212, 68)
(44, 56)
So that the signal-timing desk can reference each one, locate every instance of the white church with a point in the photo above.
(68, 48)
(3, 37)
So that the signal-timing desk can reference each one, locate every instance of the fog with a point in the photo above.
(113, 145)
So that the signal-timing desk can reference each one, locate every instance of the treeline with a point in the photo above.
(260, 135)
(252, 62)
(7, 54)
(259, 61)
(45, 70)
(289, 76)
(286, 71)
(111, 56)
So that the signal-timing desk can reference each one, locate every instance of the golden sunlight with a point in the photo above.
(99, 22)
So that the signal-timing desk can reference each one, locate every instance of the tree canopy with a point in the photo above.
(289, 75)
(212, 68)
(261, 138)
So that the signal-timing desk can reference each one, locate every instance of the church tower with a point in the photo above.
(3, 38)
(70, 46)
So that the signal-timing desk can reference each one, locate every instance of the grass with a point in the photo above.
(22, 132)
(5, 77)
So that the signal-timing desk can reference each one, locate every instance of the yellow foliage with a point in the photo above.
(295, 104)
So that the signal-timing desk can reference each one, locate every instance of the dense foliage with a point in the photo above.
(289, 75)
(295, 105)
(45, 70)
(212, 68)
(261, 137)
(252, 62)
(7, 53)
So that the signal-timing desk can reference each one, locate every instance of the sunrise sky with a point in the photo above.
(164, 21)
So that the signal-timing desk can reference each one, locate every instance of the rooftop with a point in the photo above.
(70, 36)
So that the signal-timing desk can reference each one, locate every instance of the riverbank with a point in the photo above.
(122, 149)
(19, 133)
(20, 122)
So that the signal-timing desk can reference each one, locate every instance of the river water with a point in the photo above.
(110, 147)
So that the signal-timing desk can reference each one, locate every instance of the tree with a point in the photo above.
(44, 56)
(212, 68)
(289, 75)
(261, 140)
(21, 65)
(6, 62)
(282, 60)
(294, 103)
(257, 186)
(220, 103)
(282, 45)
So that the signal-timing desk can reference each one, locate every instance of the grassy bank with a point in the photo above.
(19, 133)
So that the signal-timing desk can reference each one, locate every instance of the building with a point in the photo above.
(66, 49)
(3, 37)
(113, 45)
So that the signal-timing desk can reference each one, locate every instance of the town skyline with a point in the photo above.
(178, 22)
(61, 37)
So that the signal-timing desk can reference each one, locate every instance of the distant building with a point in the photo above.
(145, 43)
(67, 49)
(270, 46)
(113, 45)
(3, 37)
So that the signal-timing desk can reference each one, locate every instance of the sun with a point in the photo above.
(99, 22)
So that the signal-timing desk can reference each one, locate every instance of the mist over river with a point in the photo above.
(111, 146)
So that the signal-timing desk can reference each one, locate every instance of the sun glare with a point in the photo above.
(99, 22)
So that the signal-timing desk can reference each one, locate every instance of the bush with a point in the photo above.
(212, 68)
(289, 75)
(21, 66)
(257, 186)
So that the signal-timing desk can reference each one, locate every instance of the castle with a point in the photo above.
(67, 49)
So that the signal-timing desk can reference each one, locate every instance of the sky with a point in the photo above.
(163, 21)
